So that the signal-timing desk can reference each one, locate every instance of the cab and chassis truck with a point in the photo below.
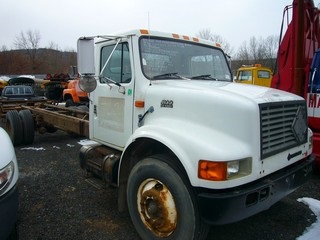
(185, 147)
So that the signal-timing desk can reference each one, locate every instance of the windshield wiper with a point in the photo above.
(204, 77)
(167, 75)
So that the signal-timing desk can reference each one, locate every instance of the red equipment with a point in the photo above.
(296, 52)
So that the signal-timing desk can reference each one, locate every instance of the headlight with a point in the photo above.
(221, 171)
(6, 176)
(233, 168)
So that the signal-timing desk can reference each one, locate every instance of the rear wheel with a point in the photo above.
(14, 127)
(162, 203)
(28, 126)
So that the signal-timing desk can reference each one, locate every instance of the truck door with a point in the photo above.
(113, 98)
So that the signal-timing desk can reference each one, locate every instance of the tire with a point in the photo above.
(14, 127)
(69, 103)
(152, 181)
(27, 125)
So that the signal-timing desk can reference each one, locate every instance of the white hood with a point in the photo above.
(257, 93)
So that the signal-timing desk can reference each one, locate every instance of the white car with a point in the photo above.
(9, 199)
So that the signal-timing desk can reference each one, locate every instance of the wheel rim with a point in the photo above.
(157, 208)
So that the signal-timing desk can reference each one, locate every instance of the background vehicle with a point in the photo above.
(9, 174)
(254, 74)
(20, 92)
(21, 81)
(162, 113)
(298, 47)
(73, 95)
(3, 83)
(54, 86)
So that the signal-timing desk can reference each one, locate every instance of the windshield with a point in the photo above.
(174, 59)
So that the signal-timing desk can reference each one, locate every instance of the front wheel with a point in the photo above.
(161, 203)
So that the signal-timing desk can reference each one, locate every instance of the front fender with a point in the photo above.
(191, 142)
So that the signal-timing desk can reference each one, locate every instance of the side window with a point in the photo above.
(9, 91)
(28, 91)
(118, 68)
(245, 75)
(15, 90)
(263, 74)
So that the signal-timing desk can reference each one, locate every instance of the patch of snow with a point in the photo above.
(56, 147)
(33, 148)
(86, 142)
(312, 232)
(70, 145)
(27, 76)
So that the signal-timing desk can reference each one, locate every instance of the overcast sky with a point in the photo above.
(63, 21)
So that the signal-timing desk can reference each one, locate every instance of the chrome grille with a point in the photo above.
(283, 126)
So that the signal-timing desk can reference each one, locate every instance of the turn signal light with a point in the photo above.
(213, 171)
(139, 104)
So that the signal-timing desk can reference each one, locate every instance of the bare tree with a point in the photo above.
(260, 50)
(208, 35)
(272, 44)
(4, 48)
(29, 41)
(243, 52)
(254, 48)
(54, 46)
(205, 34)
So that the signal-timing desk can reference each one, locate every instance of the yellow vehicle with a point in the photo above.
(3, 83)
(254, 74)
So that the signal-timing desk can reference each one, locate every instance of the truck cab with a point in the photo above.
(165, 116)
(19, 92)
(254, 74)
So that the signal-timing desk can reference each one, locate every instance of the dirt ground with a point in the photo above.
(57, 203)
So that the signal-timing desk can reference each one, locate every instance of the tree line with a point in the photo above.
(29, 58)
(256, 50)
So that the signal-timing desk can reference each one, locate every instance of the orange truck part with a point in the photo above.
(73, 94)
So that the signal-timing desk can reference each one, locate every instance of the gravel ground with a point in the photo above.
(55, 200)
(57, 203)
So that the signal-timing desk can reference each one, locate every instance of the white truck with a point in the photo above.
(9, 197)
(187, 147)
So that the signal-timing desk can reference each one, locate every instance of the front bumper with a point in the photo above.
(9, 204)
(236, 204)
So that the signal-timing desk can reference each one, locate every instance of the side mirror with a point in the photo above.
(87, 83)
(85, 56)
(86, 69)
